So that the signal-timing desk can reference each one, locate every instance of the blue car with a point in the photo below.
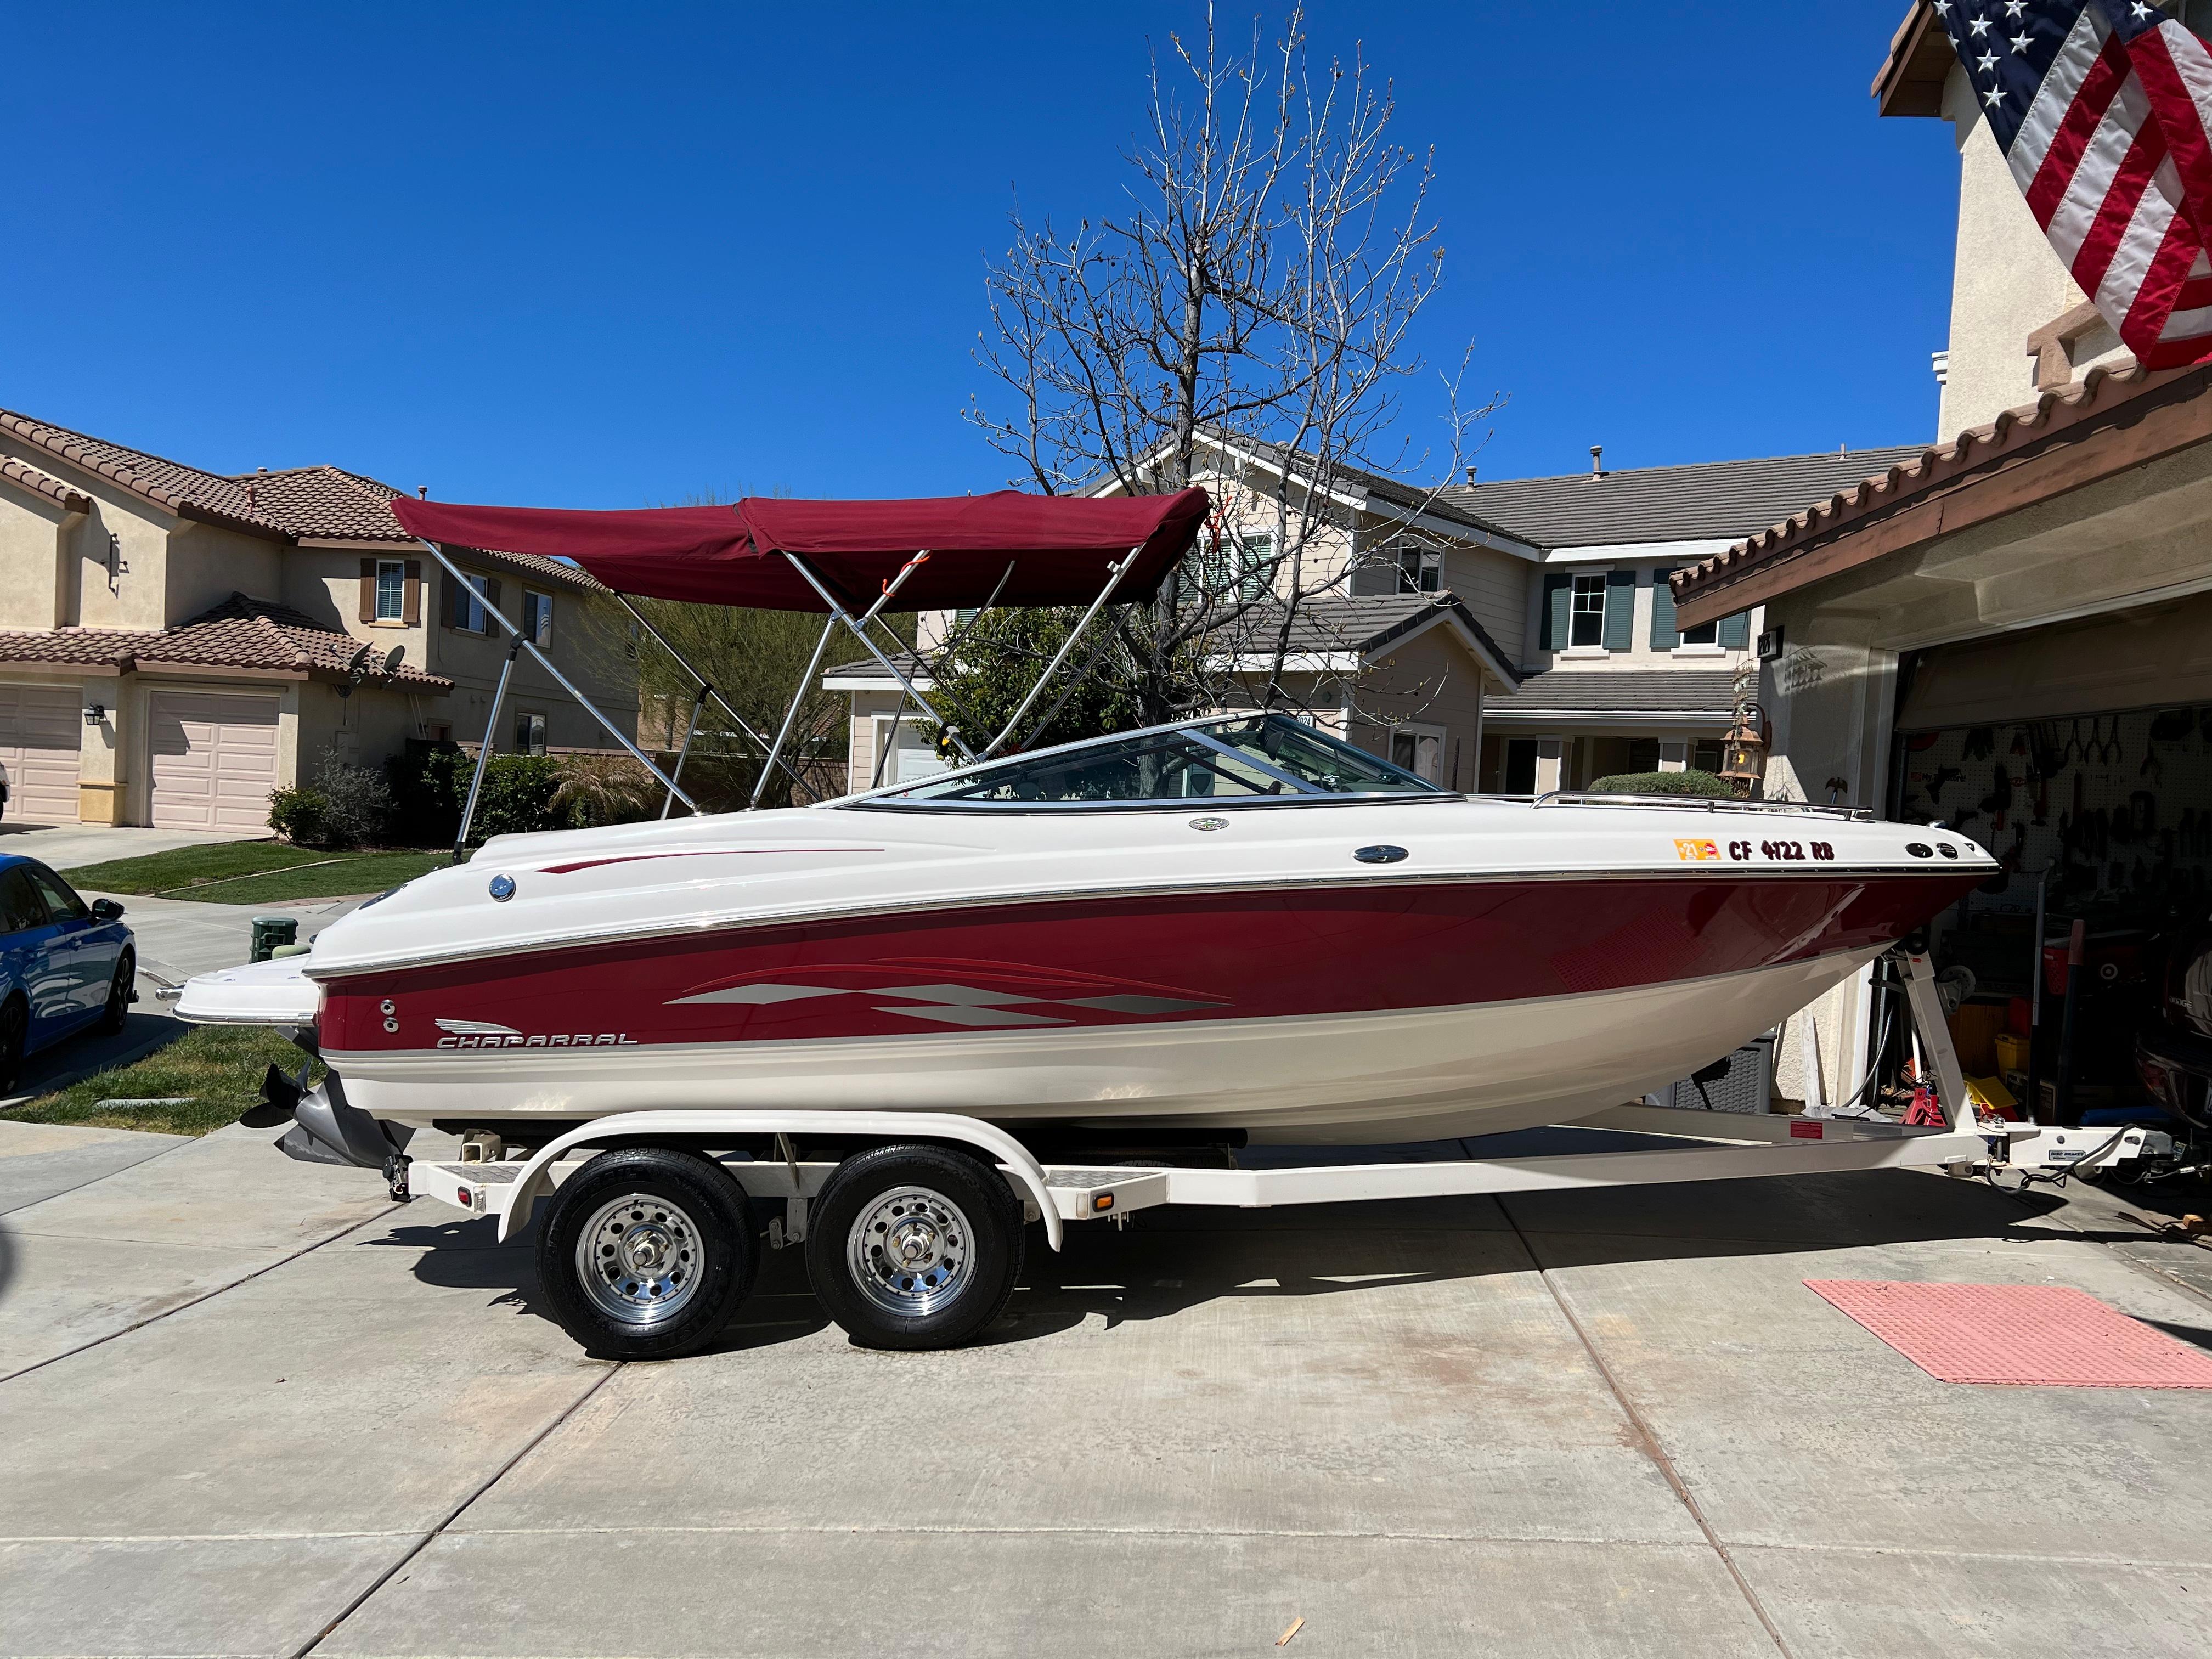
(64, 965)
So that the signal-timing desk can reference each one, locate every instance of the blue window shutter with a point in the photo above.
(1559, 593)
(1620, 609)
(1735, 631)
(1665, 636)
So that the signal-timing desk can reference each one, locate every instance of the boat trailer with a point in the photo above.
(783, 1191)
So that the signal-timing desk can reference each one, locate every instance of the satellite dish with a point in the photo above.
(392, 660)
(359, 660)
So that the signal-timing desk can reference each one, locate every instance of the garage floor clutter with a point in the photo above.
(253, 1408)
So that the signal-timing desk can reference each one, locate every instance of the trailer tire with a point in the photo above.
(912, 1247)
(646, 1252)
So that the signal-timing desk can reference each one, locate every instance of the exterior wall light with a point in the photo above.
(95, 713)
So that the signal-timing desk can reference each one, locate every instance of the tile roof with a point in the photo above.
(1620, 691)
(240, 633)
(2103, 397)
(26, 477)
(1705, 501)
(296, 504)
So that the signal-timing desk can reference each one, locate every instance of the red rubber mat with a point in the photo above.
(2018, 1335)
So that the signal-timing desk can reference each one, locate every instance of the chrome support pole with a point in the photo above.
(676, 774)
(560, 679)
(838, 613)
(791, 714)
(1113, 581)
(483, 751)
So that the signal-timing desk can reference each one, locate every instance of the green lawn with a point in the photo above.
(254, 872)
(217, 1067)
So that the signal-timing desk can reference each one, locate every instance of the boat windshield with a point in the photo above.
(1249, 759)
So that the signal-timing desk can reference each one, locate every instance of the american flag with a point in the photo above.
(2102, 109)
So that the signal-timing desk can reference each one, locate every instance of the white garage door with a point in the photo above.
(39, 731)
(215, 760)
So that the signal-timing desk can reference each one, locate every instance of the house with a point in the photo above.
(1612, 682)
(1509, 636)
(176, 643)
(2009, 631)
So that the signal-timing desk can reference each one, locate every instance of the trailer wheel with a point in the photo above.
(913, 1246)
(646, 1252)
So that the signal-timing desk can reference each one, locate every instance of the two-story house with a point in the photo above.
(1613, 681)
(176, 643)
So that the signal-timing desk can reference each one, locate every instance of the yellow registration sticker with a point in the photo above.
(1697, 852)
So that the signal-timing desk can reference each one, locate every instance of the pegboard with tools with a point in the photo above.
(2118, 807)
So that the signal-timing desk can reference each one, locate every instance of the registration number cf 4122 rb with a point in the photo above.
(1744, 852)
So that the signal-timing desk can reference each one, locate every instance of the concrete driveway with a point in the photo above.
(253, 1408)
(62, 847)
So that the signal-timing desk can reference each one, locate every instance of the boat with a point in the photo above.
(883, 1026)
(1238, 926)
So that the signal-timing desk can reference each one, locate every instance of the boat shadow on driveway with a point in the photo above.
(1164, 1263)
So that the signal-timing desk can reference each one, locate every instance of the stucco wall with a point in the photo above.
(206, 564)
(37, 546)
(1427, 680)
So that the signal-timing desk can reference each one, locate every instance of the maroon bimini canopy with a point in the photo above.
(1058, 547)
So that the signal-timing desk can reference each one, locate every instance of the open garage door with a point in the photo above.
(215, 760)
(39, 731)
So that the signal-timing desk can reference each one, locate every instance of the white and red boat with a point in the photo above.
(1237, 925)
(1228, 929)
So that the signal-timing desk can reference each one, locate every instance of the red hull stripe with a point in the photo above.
(701, 852)
(1130, 961)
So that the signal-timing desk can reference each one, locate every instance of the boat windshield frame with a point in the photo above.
(1296, 791)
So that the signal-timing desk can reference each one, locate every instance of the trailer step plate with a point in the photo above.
(2017, 1335)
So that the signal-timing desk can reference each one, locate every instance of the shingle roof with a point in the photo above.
(1442, 502)
(1620, 691)
(297, 504)
(1705, 501)
(1325, 623)
(240, 633)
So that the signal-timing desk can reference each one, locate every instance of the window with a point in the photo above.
(390, 590)
(1237, 569)
(1420, 750)
(469, 602)
(1420, 569)
(1702, 634)
(1643, 755)
(537, 618)
(1587, 626)
(20, 905)
(61, 898)
(529, 734)
(1707, 756)
(1243, 759)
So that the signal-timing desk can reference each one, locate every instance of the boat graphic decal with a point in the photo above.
(1008, 995)
(475, 1028)
(696, 853)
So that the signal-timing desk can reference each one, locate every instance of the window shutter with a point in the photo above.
(1558, 594)
(368, 590)
(1665, 636)
(1620, 609)
(491, 603)
(1735, 631)
(411, 610)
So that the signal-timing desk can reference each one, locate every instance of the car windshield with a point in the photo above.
(1265, 755)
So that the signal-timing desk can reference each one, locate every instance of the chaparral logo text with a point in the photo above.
(482, 1034)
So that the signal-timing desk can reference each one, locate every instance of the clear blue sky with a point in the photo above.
(613, 256)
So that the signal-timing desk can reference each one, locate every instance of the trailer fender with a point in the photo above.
(536, 1179)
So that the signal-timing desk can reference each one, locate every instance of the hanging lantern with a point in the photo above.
(1743, 751)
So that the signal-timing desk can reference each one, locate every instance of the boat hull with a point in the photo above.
(1309, 1013)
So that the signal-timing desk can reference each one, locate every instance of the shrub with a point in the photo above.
(517, 798)
(296, 814)
(1663, 783)
(599, 789)
(356, 805)
(429, 783)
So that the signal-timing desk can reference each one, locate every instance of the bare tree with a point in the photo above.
(1248, 316)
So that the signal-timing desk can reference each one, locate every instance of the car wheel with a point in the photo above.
(913, 1246)
(15, 1036)
(113, 1016)
(646, 1252)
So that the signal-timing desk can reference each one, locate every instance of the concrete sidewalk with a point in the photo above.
(266, 1412)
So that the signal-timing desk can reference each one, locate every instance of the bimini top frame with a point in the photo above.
(822, 556)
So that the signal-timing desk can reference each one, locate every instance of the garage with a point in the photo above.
(214, 760)
(39, 731)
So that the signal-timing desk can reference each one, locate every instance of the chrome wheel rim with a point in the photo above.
(910, 1252)
(639, 1258)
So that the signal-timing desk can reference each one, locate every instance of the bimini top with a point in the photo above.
(1005, 547)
